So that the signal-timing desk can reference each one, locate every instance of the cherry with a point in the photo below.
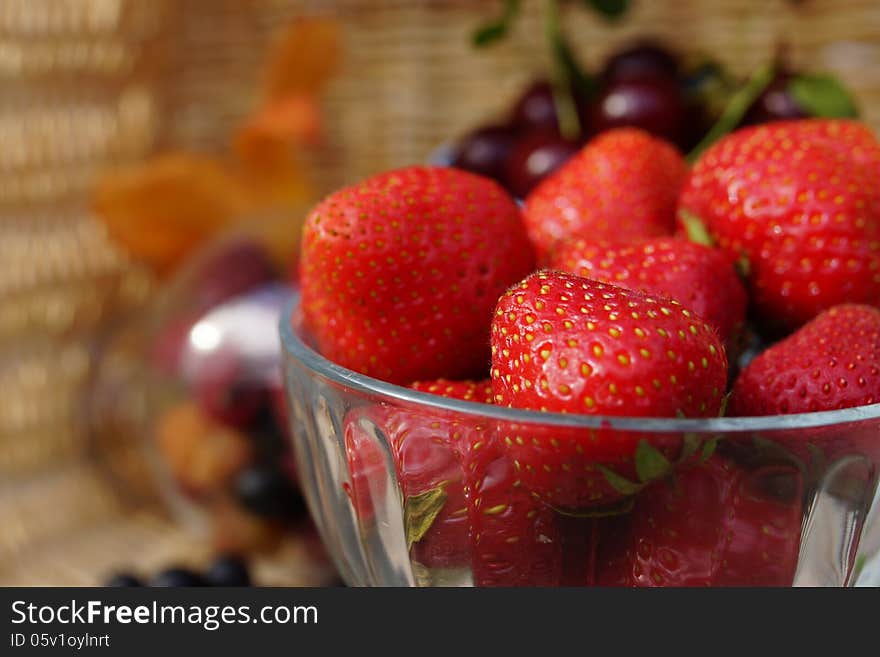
(535, 156)
(226, 391)
(535, 109)
(220, 274)
(485, 150)
(643, 60)
(656, 105)
(775, 104)
(230, 270)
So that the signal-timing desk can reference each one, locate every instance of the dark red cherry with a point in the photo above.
(535, 156)
(535, 109)
(485, 150)
(642, 60)
(656, 105)
(775, 104)
(234, 269)
(228, 392)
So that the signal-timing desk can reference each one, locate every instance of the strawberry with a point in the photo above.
(399, 273)
(713, 525)
(462, 506)
(475, 391)
(622, 184)
(698, 277)
(798, 202)
(831, 362)
(515, 540)
(852, 138)
(571, 345)
(427, 471)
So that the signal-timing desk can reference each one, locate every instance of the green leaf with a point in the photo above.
(489, 33)
(497, 29)
(420, 511)
(621, 484)
(695, 228)
(736, 108)
(708, 449)
(609, 8)
(822, 95)
(650, 462)
(692, 442)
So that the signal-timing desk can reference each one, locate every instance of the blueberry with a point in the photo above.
(228, 571)
(123, 580)
(266, 491)
(177, 577)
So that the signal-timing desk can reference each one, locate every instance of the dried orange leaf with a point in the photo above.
(161, 209)
(294, 119)
(266, 140)
(305, 56)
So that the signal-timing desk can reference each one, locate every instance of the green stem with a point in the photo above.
(736, 108)
(566, 110)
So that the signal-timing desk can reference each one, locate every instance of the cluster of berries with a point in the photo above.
(628, 284)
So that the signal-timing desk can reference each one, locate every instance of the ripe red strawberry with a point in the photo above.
(568, 344)
(474, 391)
(515, 540)
(713, 525)
(623, 184)
(854, 139)
(831, 362)
(698, 277)
(399, 273)
(799, 202)
(427, 471)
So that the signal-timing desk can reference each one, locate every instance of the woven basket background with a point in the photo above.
(90, 83)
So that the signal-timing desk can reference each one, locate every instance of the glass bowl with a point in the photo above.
(413, 489)
(192, 381)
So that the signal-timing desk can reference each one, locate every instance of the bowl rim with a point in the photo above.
(294, 347)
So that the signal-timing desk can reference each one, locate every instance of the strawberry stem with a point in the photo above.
(736, 108)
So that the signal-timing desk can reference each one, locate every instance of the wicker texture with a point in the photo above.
(92, 83)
